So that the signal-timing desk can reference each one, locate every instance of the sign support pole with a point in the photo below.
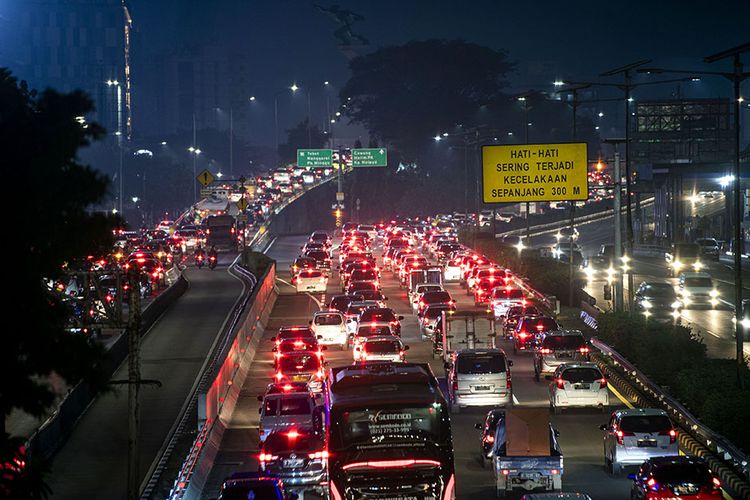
(618, 233)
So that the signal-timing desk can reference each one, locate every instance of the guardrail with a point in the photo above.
(732, 465)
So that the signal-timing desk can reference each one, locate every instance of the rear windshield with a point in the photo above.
(428, 288)
(504, 293)
(311, 274)
(378, 315)
(318, 255)
(364, 274)
(433, 297)
(585, 375)
(434, 312)
(481, 363)
(539, 324)
(328, 319)
(295, 405)
(679, 473)
(383, 346)
(521, 311)
(645, 423)
(293, 334)
(368, 331)
(563, 342)
(305, 363)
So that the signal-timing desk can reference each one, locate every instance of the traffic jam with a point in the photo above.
(355, 408)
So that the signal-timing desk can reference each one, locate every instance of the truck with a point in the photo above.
(221, 233)
(432, 275)
(526, 454)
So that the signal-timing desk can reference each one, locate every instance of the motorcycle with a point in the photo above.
(199, 261)
(212, 261)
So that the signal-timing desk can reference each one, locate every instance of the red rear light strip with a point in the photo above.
(391, 464)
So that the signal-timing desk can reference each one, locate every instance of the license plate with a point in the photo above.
(582, 386)
(299, 378)
(293, 463)
(647, 443)
(310, 287)
(685, 489)
(563, 355)
(481, 387)
(529, 475)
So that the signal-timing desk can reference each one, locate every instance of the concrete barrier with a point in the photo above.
(56, 429)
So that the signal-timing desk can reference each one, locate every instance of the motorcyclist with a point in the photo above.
(212, 252)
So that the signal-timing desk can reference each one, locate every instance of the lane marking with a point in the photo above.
(270, 245)
(620, 397)
(319, 303)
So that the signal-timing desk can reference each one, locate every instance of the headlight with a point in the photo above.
(675, 314)
(745, 323)
(677, 264)
(714, 293)
(698, 265)
(646, 304)
(676, 304)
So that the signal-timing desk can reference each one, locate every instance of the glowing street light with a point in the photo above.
(252, 98)
(294, 87)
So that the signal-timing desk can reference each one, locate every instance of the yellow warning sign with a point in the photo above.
(534, 172)
(205, 178)
(241, 204)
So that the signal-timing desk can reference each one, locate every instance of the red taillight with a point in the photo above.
(266, 457)
(652, 484)
(621, 436)
(716, 483)
(319, 455)
(489, 438)
(602, 383)
(279, 376)
(560, 383)
(545, 351)
(584, 350)
(522, 335)
(672, 435)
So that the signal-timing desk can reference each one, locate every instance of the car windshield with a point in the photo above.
(328, 319)
(302, 332)
(698, 282)
(303, 363)
(295, 405)
(522, 311)
(480, 363)
(659, 290)
(682, 472)
(645, 423)
(563, 342)
(371, 331)
(687, 250)
(382, 346)
(578, 375)
(707, 242)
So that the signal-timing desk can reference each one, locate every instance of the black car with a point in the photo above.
(678, 477)
(259, 486)
(529, 328)
(341, 302)
(298, 457)
(512, 316)
(487, 434)
(657, 301)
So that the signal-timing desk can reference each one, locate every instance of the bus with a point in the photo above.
(388, 433)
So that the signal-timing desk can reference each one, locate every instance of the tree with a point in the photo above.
(406, 94)
(39, 139)
(302, 136)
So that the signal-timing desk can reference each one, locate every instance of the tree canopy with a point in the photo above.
(404, 95)
(301, 136)
(40, 135)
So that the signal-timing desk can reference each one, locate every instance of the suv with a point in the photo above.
(697, 288)
(558, 347)
(637, 434)
(284, 406)
(578, 385)
(298, 457)
(709, 247)
(529, 328)
(479, 377)
(658, 301)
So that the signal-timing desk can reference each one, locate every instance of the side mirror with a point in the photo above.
(406, 348)
(478, 427)
(260, 399)
(320, 337)
(273, 339)
(548, 377)
(604, 427)
(400, 318)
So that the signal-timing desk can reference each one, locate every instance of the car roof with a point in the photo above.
(695, 275)
(461, 352)
(585, 364)
(677, 460)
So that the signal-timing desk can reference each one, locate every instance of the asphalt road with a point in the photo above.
(581, 440)
(93, 462)
(714, 324)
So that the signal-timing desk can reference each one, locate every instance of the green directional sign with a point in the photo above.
(314, 157)
(373, 157)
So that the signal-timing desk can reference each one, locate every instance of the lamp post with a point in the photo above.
(116, 84)
(294, 88)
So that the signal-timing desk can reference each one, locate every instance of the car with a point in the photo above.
(634, 435)
(482, 292)
(513, 314)
(303, 264)
(419, 290)
(362, 286)
(382, 348)
(285, 406)
(529, 329)
(479, 377)
(293, 333)
(373, 329)
(685, 477)
(369, 229)
(382, 314)
(341, 302)
(505, 297)
(487, 434)
(295, 346)
(310, 280)
(428, 299)
(301, 367)
(683, 257)
(709, 247)
(658, 301)
(578, 385)
(557, 347)
(322, 258)
(429, 316)
(258, 485)
(297, 456)
(697, 289)
(329, 328)
(452, 270)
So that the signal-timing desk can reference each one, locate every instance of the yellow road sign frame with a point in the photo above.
(205, 178)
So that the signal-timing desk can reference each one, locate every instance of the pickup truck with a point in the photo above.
(526, 454)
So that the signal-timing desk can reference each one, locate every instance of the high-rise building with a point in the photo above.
(72, 44)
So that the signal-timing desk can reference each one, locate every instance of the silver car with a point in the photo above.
(578, 385)
(479, 377)
(286, 406)
(634, 435)
(558, 347)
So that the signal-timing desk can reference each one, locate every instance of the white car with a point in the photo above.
(164, 225)
(452, 270)
(328, 327)
(310, 280)
(578, 385)
(369, 229)
(696, 289)
(382, 348)
(504, 297)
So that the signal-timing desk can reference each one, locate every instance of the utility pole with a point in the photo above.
(231, 142)
(134, 379)
(618, 231)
